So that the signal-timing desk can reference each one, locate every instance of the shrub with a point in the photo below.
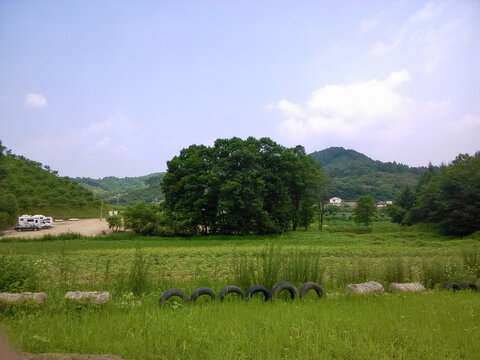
(17, 275)
(115, 222)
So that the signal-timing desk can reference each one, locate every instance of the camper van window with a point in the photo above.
(30, 220)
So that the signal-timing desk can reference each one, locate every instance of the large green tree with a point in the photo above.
(365, 210)
(240, 187)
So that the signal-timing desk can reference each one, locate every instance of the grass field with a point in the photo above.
(137, 270)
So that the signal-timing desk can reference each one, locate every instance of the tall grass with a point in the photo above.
(274, 265)
(18, 274)
(137, 280)
(405, 326)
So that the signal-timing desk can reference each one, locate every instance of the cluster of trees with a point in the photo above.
(449, 196)
(355, 174)
(29, 187)
(240, 187)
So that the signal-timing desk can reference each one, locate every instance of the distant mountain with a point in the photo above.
(127, 190)
(28, 187)
(356, 174)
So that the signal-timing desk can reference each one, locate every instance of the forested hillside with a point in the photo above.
(355, 174)
(127, 190)
(28, 187)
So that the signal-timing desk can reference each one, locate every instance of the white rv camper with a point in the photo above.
(39, 221)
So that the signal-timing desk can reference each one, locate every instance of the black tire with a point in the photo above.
(231, 289)
(311, 286)
(467, 285)
(202, 291)
(451, 285)
(284, 285)
(258, 288)
(173, 292)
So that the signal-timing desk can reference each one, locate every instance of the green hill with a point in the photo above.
(356, 174)
(127, 190)
(28, 187)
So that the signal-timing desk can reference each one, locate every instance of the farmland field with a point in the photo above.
(137, 270)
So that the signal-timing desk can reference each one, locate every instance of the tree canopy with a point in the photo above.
(449, 196)
(241, 187)
(365, 210)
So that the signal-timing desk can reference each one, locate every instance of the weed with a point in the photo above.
(18, 274)
(395, 270)
(137, 280)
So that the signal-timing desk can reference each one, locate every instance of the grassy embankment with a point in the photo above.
(436, 324)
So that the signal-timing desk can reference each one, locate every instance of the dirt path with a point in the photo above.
(86, 227)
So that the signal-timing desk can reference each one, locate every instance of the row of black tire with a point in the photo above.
(232, 289)
(462, 286)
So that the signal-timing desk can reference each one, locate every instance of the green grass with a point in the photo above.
(408, 326)
(136, 269)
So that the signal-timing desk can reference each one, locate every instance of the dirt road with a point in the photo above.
(86, 227)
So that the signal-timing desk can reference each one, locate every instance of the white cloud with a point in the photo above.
(368, 24)
(102, 148)
(106, 149)
(343, 107)
(376, 118)
(35, 100)
(430, 34)
(116, 123)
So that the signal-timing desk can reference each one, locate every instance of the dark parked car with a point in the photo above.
(27, 227)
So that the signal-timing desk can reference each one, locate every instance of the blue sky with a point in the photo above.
(98, 88)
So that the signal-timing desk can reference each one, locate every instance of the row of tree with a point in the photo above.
(449, 196)
(240, 187)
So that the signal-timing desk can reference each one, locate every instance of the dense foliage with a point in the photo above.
(145, 219)
(450, 197)
(355, 174)
(240, 187)
(28, 187)
(127, 190)
(365, 210)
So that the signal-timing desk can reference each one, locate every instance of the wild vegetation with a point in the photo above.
(28, 187)
(138, 269)
(449, 196)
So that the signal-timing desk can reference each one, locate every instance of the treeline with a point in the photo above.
(355, 174)
(28, 187)
(127, 190)
(449, 196)
(235, 187)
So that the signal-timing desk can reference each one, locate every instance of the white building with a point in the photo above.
(335, 201)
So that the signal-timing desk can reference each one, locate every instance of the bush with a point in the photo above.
(142, 218)
(17, 275)
(115, 222)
